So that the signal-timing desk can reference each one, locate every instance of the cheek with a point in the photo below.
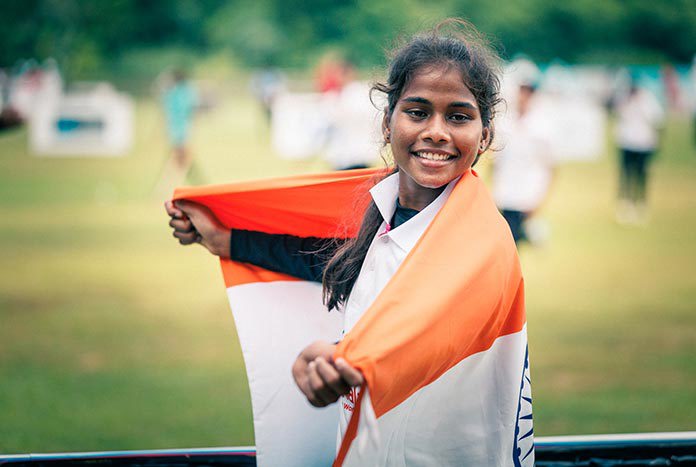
(401, 142)
(471, 142)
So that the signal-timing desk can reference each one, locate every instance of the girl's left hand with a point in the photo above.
(321, 379)
(195, 223)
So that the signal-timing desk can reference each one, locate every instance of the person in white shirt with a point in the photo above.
(524, 166)
(353, 127)
(639, 121)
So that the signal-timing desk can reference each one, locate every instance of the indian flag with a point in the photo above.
(443, 348)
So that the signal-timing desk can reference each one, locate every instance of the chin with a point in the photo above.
(433, 182)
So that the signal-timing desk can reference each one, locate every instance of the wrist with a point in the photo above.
(222, 243)
(218, 243)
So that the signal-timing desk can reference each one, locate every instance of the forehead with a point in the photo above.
(439, 82)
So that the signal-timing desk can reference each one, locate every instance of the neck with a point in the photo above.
(414, 196)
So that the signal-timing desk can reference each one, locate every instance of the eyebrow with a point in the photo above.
(421, 100)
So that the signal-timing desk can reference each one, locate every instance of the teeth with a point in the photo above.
(432, 156)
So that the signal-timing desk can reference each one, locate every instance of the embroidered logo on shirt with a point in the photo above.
(348, 401)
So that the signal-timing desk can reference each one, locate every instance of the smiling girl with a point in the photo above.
(442, 91)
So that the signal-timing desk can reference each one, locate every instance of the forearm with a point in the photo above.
(302, 257)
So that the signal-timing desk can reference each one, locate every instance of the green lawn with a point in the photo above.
(112, 336)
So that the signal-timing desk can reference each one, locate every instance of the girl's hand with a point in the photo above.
(321, 379)
(194, 223)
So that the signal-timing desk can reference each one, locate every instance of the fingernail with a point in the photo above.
(340, 361)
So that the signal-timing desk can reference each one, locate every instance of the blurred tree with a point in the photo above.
(89, 35)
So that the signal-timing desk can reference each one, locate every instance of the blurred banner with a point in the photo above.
(91, 120)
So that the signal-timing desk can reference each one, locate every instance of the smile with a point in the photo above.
(432, 156)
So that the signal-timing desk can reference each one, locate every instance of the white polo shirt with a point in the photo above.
(524, 166)
(388, 250)
(639, 117)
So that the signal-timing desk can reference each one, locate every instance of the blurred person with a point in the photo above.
(179, 102)
(32, 86)
(25, 94)
(639, 122)
(524, 168)
(24, 89)
(673, 93)
(266, 84)
(352, 128)
(9, 117)
(330, 75)
(433, 348)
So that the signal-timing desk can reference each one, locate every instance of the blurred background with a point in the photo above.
(114, 337)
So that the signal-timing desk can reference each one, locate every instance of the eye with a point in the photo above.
(460, 117)
(416, 113)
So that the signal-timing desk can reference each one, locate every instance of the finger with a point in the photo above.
(172, 210)
(182, 225)
(320, 391)
(186, 238)
(351, 375)
(198, 214)
(299, 374)
(331, 377)
(303, 384)
(305, 387)
(187, 207)
(315, 385)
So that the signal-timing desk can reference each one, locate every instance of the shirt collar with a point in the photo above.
(384, 195)
(407, 234)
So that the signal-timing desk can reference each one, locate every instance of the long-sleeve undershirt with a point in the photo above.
(301, 257)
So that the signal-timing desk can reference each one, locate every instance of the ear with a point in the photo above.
(386, 131)
(485, 140)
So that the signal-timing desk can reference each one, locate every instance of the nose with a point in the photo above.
(436, 131)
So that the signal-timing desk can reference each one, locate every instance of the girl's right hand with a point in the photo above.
(195, 223)
(321, 379)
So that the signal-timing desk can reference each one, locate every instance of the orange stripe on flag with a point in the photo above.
(320, 205)
(235, 273)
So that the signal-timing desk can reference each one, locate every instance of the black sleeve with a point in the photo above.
(302, 257)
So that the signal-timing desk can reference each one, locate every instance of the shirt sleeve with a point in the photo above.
(301, 257)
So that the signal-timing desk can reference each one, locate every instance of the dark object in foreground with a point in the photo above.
(649, 449)
(237, 457)
(644, 449)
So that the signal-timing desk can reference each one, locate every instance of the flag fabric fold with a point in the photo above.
(443, 348)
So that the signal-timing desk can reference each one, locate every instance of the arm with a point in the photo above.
(302, 257)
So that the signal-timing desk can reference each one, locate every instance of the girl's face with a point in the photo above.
(435, 133)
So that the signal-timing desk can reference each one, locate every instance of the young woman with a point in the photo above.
(442, 91)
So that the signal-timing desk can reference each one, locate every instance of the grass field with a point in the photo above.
(114, 337)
